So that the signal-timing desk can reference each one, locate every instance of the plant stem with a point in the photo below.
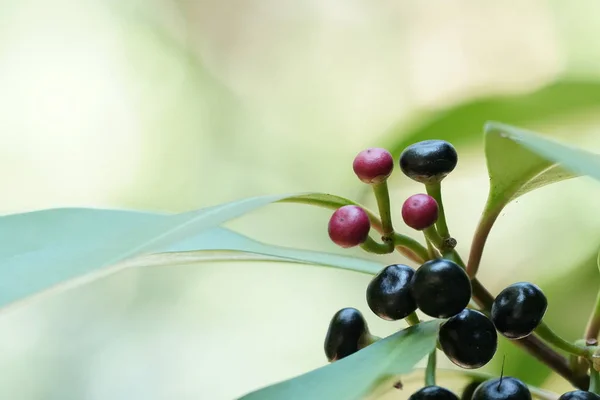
(371, 246)
(431, 250)
(430, 371)
(411, 244)
(382, 195)
(547, 334)
(412, 319)
(480, 237)
(435, 191)
(434, 237)
(594, 381)
(593, 327)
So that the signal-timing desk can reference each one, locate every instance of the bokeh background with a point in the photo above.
(171, 105)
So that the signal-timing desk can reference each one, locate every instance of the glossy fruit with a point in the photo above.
(441, 288)
(373, 165)
(469, 339)
(505, 388)
(420, 211)
(389, 295)
(519, 309)
(349, 226)
(346, 334)
(428, 161)
(433, 393)
(579, 395)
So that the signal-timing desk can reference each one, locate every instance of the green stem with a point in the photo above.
(435, 191)
(431, 250)
(434, 237)
(382, 195)
(480, 237)
(371, 246)
(411, 244)
(594, 381)
(593, 327)
(548, 335)
(412, 319)
(430, 371)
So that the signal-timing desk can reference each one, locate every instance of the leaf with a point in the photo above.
(355, 376)
(43, 249)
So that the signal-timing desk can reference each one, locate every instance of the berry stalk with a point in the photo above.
(412, 319)
(382, 196)
(594, 381)
(435, 191)
(430, 370)
(547, 334)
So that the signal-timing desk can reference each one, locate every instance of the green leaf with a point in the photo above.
(355, 376)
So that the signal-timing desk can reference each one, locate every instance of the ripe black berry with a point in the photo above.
(433, 393)
(349, 226)
(519, 309)
(373, 165)
(420, 211)
(389, 295)
(441, 288)
(505, 388)
(346, 334)
(579, 395)
(469, 339)
(428, 161)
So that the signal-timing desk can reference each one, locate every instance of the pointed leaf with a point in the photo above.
(355, 376)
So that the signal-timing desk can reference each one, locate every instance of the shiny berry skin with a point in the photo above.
(441, 288)
(433, 393)
(389, 295)
(519, 309)
(346, 333)
(373, 165)
(505, 388)
(428, 161)
(579, 395)
(420, 211)
(469, 339)
(349, 226)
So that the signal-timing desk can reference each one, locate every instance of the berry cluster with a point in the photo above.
(439, 287)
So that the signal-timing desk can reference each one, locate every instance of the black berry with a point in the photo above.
(346, 334)
(441, 288)
(428, 161)
(349, 226)
(469, 339)
(420, 211)
(433, 393)
(579, 395)
(519, 309)
(467, 392)
(389, 295)
(373, 165)
(505, 388)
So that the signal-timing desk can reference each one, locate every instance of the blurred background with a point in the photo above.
(173, 105)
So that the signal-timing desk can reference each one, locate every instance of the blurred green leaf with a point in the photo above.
(355, 376)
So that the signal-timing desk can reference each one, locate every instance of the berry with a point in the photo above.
(469, 339)
(389, 295)
(373, 165)
(441, 288)
(519, 309)
(346, 334)
(433, 393)
(467, 393)
(579, 395)
(505, 388)
(349, 226)
(420, 211)
(428, 161)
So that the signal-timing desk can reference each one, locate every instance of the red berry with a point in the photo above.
(349, 226)
(373, 165)
(420, 211)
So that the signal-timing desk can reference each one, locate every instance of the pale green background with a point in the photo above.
(176, 105)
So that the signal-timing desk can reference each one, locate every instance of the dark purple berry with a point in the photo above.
(469, 339)
(505, 388)
(441, 288)
(519, 309)
(428, 161)
(349, 226)
(420, 211)
(346, 335)
(433, 393)
(579, 395)
(373, 165)
(389, 295)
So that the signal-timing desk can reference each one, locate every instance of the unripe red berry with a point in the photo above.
(373, 165)
(420, 211)
(349, 226)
